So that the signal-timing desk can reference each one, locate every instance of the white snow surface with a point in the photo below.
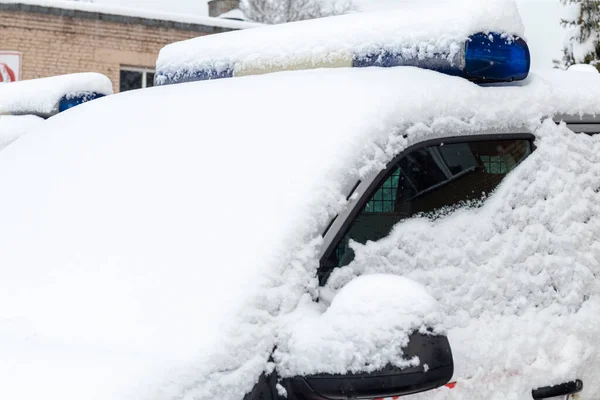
(375, 313)
(12, 127)
(154, 247)
(41, 96)
(519, 278)
(415, 29)
(186, 18)
(235, 14)
(582, 68)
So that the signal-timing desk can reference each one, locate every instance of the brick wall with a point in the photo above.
(60, 44)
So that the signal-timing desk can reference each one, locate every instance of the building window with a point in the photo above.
(135, 78)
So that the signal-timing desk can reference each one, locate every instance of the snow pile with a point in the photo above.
(373, 313)
(41, 96)
(235, 14)
(582, 68)
(519, 278)
(11, 127)
(415, 30)
(94, 7)
(153, 247)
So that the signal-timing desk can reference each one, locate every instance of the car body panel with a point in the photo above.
(161, 238)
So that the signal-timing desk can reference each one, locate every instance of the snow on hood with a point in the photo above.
(152, 243)
(41, 96)
(11, 127)
(416, 29)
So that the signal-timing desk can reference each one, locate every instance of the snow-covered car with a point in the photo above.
(329, 233)
(13, 126)
(26, 104)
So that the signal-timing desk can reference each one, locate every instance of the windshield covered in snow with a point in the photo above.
(431, 180)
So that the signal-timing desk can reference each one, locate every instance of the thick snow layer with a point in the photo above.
(235, 14)
(94, 7)
(418, 29)
(41, 96)
(11, 127)
(152, 246)
(582, 68)
(375, 313)
(519, 278)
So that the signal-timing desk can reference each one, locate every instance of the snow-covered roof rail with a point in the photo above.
(88, 10)
(47, 96)
(431, 35)
(578, 119)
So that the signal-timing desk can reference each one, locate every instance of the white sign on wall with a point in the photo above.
(10, 66)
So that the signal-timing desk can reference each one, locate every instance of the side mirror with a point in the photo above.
(392, 344)
(365, 315)
(435, 369)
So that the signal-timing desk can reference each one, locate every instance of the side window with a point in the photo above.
(429, 181)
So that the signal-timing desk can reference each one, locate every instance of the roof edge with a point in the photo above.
(111, 14)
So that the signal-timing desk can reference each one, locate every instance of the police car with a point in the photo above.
(366, 206)
(25, 104)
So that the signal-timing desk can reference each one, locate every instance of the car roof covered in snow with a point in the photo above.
(12, 127)
(415, 30)
(41, 96)
(153, 242)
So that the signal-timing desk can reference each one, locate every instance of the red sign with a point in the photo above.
(10, 66)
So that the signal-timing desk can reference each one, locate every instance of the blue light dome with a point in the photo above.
(494, 58)
(71, 101)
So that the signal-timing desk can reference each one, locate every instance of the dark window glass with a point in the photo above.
(130, 80)
(430, 181)
(149, 79)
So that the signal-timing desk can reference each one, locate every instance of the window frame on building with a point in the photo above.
(143, 70)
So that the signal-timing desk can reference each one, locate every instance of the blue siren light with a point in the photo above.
(71, 101)
(493, 58)
(487, 58)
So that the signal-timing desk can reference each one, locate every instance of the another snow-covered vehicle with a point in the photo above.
(312, 234)
(25, 104)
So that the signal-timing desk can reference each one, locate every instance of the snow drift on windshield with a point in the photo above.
(166, 249)
(415, 31)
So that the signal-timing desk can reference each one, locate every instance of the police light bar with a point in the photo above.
(71, 101)
(45, 97)
(484, 58)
